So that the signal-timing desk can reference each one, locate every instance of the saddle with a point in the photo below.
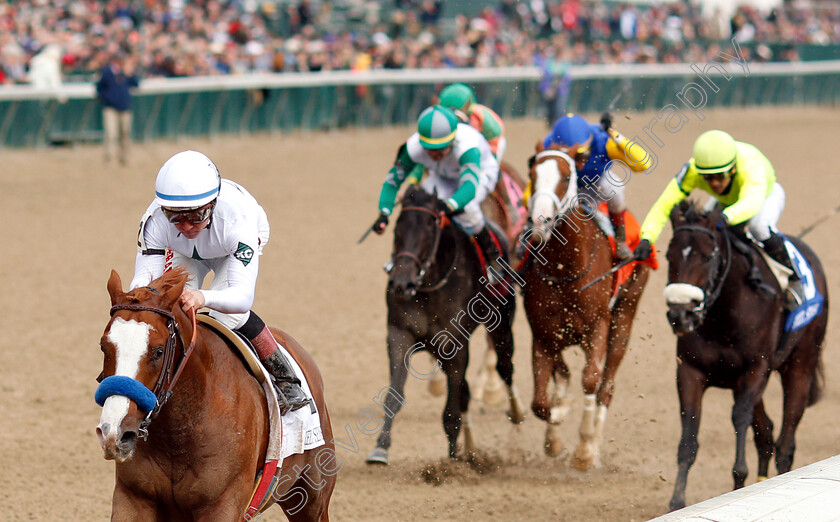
(752, 250)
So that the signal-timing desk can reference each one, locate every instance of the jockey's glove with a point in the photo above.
(381, 223)
(643, 250)
(445, 208)
(606, 121)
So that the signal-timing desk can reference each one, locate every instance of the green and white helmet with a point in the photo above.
(457, 97)
(714, 153)
(437, 126)
(187, 180)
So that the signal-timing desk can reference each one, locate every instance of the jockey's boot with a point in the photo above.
(622, 251)
(775, 248)
(291, 395)
(491, 254)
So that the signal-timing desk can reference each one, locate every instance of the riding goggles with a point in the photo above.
(720, 176)
(194, 215)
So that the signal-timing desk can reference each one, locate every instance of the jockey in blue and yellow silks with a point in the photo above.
(597, 151)
(743, 181)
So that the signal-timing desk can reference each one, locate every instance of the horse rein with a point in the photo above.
(169, 373)
(709, 297)
(441, 222)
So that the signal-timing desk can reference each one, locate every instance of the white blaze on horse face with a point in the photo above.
(547, 179)
(131, 340)
(686, 251)
(682, 293)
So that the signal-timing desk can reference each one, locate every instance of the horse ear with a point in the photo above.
(539, 147)
(173, 293)
(114, 286)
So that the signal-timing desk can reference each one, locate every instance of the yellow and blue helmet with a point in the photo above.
(571, 129)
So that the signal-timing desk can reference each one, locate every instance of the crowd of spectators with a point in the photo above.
(174, 38)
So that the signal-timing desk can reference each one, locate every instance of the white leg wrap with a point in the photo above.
(587, 423)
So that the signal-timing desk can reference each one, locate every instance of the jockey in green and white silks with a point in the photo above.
(462, 169)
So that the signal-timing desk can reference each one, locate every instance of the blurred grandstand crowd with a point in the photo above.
(173, 38)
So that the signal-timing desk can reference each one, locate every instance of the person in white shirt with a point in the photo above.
(205, 223)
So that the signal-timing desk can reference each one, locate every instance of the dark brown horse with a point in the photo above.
(572, 251)
(730, 327)
(505, 207)
(436, 300)
(206, 423)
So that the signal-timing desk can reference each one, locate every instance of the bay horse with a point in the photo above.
(730, 334)
(573, 251)
(206, 422)
(436, 300)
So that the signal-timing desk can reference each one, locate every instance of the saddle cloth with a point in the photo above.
(812, 302)
(631, 231)
(295, 432)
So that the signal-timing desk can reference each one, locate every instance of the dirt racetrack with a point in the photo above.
(67, 219)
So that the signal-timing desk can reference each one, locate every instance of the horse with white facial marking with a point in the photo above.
(187, 424)
(573, 251)
(731, 333)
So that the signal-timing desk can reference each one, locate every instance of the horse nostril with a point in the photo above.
(128, 438)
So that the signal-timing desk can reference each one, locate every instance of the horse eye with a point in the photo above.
(158, 353)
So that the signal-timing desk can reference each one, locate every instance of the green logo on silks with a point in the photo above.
(244, 253)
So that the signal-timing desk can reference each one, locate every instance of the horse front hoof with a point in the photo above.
(553, 442)
(378, 456)
(516, 416)
(584, 459)
(676, 504)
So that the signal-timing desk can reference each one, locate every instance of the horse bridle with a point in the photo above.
(441, 221)
(712, 281)
(538, 158)
(169, 373)
(559, 204)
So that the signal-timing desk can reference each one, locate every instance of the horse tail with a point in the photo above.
(817, 384)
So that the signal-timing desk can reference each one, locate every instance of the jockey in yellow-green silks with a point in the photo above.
(462, 170)
(743, 181)
(597, 152)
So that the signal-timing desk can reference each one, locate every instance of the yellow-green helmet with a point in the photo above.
(437, 126)
(714, 153)
(457, 97)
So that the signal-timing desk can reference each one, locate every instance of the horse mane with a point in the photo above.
(172, 277)
(691, 212)
(416, 196)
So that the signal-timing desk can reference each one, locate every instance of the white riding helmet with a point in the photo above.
(187, 180)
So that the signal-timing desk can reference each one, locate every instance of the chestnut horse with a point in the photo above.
(573, 251)
(731, 334)
(206, 422)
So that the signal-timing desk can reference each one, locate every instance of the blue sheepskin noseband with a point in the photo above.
(127, 387)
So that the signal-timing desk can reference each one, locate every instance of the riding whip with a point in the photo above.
(818, 222)
(612, 270)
